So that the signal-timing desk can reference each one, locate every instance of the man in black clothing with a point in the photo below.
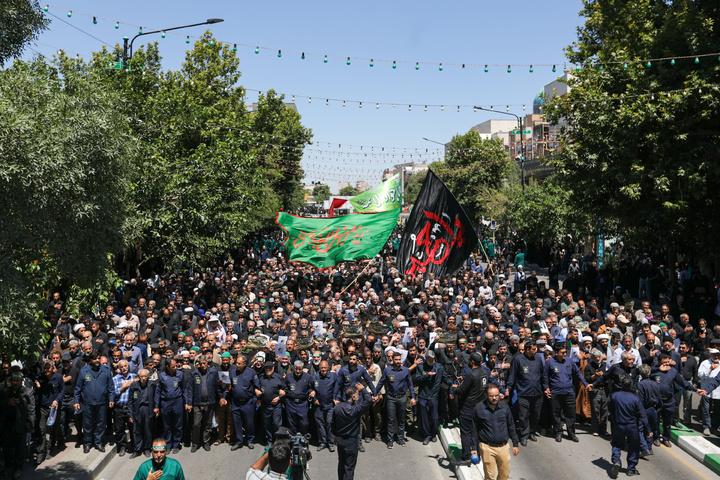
(471, 392)
(346, 428)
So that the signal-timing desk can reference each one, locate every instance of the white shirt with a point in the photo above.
(705, 375)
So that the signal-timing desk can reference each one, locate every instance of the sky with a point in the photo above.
(354, 143)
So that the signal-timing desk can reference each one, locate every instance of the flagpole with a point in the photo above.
(358, 276)
(486, 256)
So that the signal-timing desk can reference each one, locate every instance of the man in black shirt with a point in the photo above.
(471, 392)
(494, 425)
(346, 428)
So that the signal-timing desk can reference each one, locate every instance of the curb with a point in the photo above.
(450, 440)
(73, 464)
(697, 446)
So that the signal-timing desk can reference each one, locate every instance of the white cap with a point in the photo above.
(714, 350)
(78, 327)
(477, 321)
(188, 310)
(403, 324)
(586, 339)
(214, 318)
(123, 325)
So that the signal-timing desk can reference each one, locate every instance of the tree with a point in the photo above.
(541, 213)
(21, 21)
(321, 193)
(641, 143)
(208, 171)
(349, 191)
(64, 169)
(473, 169)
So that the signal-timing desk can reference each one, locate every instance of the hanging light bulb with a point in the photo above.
(293, 98)
(492, 108)
(347, 62)
(279, 53)
(302, 57)
(140, 31)
(417, 65)
(117, 25)
(577, 68)
(458, 109)
(507, 108)
(509, 69)
(531, 69)
(394, 64)
(474, 109)
(187, 39)
(697, 60)
(327, 102)
(325, 59)
(360, 105)
(486, 69)
(672, 62)
(554, 69)
(257, 50)
(47, 7)
(600, 68)
(442, 108)
(94, 20)
(234, 47)
(309, 99)
(162, 34)
(440, 67)
(426, 108)
(377, 106)
(372, 62)
(343, 103)
(393, 105)
(625, 66)
(523, 108)
(69, 13)
(409, 108)
(648, 64)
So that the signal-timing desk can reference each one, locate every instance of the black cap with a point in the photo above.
(476, 357)
(269, 365)
(66, 357)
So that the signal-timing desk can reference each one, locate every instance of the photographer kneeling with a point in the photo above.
(278, 456)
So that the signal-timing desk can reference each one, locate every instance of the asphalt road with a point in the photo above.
(591, 459)
(414, 461)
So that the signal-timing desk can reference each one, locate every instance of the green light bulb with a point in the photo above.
(117, 25)
(486, 69)
(509, 70)
(302, 56)
(70, 14)
(531, 69)
(600, 68)
(279, 53)
(94, 20)
(394, 64)
(672, 62)
(372, 63)
(347, 62)
(162, 34)
(648, 64)
(417, 65)
(235, 47)
(187, 39)
(554, 69)
(47, 7)
(697, 60)
(325, 59)
(440, 67)
(257, 50)
(625, 67)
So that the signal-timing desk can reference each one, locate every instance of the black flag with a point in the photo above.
(438, 236)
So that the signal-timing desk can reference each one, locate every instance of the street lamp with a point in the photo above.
(522, 145)
(127, 57)
(439, 143)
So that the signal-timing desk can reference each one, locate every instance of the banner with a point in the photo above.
(385, 196)
(336, 203)
(438, 236)
(324, 242)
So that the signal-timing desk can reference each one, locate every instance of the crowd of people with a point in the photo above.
(231, 353)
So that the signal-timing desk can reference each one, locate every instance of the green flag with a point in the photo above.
(385, 196)
(324, 242)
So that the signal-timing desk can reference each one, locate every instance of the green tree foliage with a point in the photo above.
(641, 142)
(473, 169)
(349, 191)
(208, 170)
(21, 21)
(321, 193)
(64, 163)
(542, 212)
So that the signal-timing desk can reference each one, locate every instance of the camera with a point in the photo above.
(299, 452)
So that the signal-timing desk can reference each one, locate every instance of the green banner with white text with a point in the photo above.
(325, 242)
(385, 196)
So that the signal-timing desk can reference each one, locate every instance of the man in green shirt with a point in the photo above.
(159, 466)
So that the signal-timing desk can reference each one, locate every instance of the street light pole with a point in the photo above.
(127, 50)
(522, 145)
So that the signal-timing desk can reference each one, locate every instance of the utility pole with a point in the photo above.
(522, 145)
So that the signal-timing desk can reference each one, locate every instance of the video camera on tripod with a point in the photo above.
(300, 452)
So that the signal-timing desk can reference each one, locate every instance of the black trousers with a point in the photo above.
(142, 433)
(468, 435)
(120, 425)
(529, 409)
(347, 448)
(563, 404)
(202, 423)
(44, 446)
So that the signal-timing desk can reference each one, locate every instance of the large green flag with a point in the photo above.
(324, 242)
(385, 196)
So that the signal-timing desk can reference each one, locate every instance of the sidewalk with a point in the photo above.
(70, 463)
